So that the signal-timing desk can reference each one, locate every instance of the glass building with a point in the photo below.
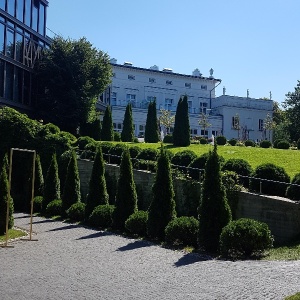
(22, 39)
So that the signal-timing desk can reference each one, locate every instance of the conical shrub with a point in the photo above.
(107, 133)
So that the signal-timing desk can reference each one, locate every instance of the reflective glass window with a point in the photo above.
(11, 7)
(20, 10)
(2, 38)
(42, 20)
(10, 43)
(27, 12)
(26, 96)
(34, 21)
(1, 78)
(9, 81)
(19, 47)
(18, 85)
(2, 4)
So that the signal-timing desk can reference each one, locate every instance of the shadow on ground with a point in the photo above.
(65, 227)
(95, 235)
(134, 245)
(191, 258)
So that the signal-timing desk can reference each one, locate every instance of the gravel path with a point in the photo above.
(73, 262)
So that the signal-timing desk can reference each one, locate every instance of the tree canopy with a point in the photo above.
(71, 74)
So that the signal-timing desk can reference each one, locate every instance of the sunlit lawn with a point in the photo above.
(12, 234)
(288, 159)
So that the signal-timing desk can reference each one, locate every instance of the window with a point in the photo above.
(119, 126)
(42, 20)
(168, 103)
(152, 80)
(188, 85)
(130, 98)
(131, 77)
(20, 9)
(151, 98)
(203, 107)
(113, 98)
(260, 124)
(18, 85)
(204, 133)
(1, 78)
(35, 12)
(169, 82)
(193, 131)
(26, 91)
(235, 124)
(214, 132)
(2, 5)
(1, 38)
(11, 7)
(9, 82)
(19, 47)
(9, 43)
(203, 87)
(141, 127)
(27, 12)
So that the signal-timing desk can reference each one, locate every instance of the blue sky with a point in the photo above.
(250, 44)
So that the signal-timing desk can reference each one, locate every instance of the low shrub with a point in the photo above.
(275, 143)
(37, 204)
(87, 154)
(137, 223)
(293, 192)
(240, 144)
(182, 231)
(265, 144)
(245, 237)
(148, 154)
(134, 151)
(221, 140)
(102, 216)
(239, 166)
(232, 142)
(283, 144)
(117, 136)
(135, 140)
(168, 139)
(183, 158)
(271, 172)
(76, 212)
(146, 165)
(116, 153)
(249, 143)
(54, 208)
(198, 163)
(105, 147)
(203, 141)
(83, 141)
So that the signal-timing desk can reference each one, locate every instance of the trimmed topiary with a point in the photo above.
(117, 136)
(54, 208)
(102, 216)
(116, 153)
(245, 237)
(148, 154)
(249, 143)
(232, 142)
(137, 223)
(271, 172)
(151, 128)
(283, 144)
(134, 151)
(265, 144)
(168, 139)
(37, 204)
(293, 191)
(239, 166)
(183, 158)
(39, 178)
(76, 212)
(182, 231)
(147, 165)
(107, 132)
(221, 140)
(127, 134)
(63, 163)
(203, 141)
(83, 141)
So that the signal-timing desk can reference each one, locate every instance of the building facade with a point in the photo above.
(139, 86)
(22, 39)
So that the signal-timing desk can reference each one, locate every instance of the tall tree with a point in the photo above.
(71, 193)
(166, 119)
(292, 106)
(126, 198)
(71, 75)
(214, 210)
(127, 134)
(91, 128)
(107, 133)
(162, 207)
(97, 188)
(151, 129)
(181, 133)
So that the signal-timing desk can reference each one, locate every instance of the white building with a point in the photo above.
(139, 86)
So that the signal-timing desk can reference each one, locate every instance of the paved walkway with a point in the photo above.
(73, 262)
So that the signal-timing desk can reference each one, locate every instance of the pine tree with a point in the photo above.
(126, 198)
(97, 188)
(107, 133)
(181, 133)
(151, 129)
(162, 208)
(214, 211)
(71, 193)
(39, 178)
(127, 134)
(3, 199)
(92, 129)
(52, 184)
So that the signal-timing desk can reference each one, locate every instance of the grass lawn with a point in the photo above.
(288, 159)
(12, 234)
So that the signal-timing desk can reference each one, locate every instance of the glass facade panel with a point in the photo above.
(2, 4)
(9, 81)
(26, 97)
(34, 21)
(27, 12)
(10, 43)
(11, 7)
(1, 38)
(20, 10)
(18, 85)
(42, 20)
(19, 47)
(1, 78)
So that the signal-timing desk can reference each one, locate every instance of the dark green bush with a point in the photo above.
(221, 140)
(249, 143)
(203, 141)
(148, 154)
(87, 154)
(116, 153)
(54, 208)
(239, 166)
(182, 231)
(183, 158)
(117, 136)
(37, 204)
(245, 237)
(147, 165)
(283, 144)
(134, 151)
(91, 147)
(271, 172)
(232, 142)
(168, 139)
(265, 144)
(137, 223)
(76, 212)
(293, 192)
(106, 146)
(102, 216)
(83, 141)
(298, 144)
(275, 143)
